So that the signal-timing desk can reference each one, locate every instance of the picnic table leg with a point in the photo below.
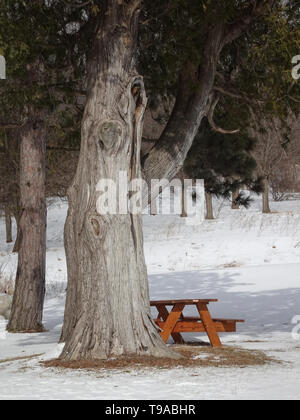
(171, 321)
(163, 313)
(209, 325)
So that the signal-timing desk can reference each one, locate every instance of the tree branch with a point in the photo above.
(167, 156)
(236, 29)
(10, 125)
(228, 91)
(232, 94)
(210, 117)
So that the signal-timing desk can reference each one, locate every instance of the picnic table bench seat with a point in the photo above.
(174, 322)
(195, 324)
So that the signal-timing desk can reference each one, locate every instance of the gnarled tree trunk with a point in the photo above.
(27, 307)
(107, 310)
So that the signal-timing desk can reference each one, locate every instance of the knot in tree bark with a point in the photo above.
(111, 136)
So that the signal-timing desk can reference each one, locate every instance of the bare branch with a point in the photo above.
(210, 117)
(232, 94)
(293, 99)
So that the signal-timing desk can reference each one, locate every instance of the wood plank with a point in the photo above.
(195, 318)
(182, 326)
(228, 320)
(164, 313)
(171, 321)
(190, 327)
(209, 325)
(184, 301)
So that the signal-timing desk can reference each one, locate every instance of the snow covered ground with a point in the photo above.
(249, 261)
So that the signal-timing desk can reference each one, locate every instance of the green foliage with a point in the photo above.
(56, 37)
(255, 70)
(264, 58)
(45, 44)
(258, 64)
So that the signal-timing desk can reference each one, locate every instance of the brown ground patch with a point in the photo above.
(232, 264)
(37, 331)
(193, 356)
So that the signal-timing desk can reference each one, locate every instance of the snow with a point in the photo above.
(247, 260)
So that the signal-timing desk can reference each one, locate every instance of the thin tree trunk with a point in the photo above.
(107, 309)
(28, 300)
(209, 206)
(265, 197)
(183, 204)
(8, 225)
(235, 195)
(181, 176)
(153, 207)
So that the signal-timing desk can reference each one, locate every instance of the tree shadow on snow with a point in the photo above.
(264, 312)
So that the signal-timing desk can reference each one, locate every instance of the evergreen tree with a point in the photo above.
(225, 163)
(40, 50)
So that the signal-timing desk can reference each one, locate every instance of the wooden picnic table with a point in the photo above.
(174, 322)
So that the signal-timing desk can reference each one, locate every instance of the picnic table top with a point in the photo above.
(184, 301)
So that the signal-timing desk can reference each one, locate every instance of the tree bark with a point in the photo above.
(265, 197)
(235, 195)
(209, 207)
(8, 225)
(107, 309)
(27, 307)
